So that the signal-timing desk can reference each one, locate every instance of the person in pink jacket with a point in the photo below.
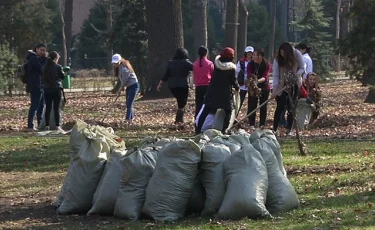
(202, 71)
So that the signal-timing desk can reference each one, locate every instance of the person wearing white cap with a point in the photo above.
(129, 80)
(241, 72)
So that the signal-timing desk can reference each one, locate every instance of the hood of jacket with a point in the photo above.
(224, 65)
(29, 54)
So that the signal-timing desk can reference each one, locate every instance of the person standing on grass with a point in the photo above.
(202, 72)
(311, 85)
(305, 50)
(129, 81)
(35, 61)
(241, 72)
(219, 93)
(52, 75)
(260, 67)
(288, 60)
(177, 76)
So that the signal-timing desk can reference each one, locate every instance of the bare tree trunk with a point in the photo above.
(199, 11)
(68, 19)
(165, 35)
(273, 30)
(231, 25)
(284, 18)
(344, 22)
(109, 29)
(242, 30)
(338, 12)
(64, 53)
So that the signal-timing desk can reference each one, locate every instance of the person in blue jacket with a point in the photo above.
(35, 61)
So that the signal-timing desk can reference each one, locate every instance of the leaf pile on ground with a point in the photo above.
(343, 114)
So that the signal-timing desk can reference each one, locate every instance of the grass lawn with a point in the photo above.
(335, 184)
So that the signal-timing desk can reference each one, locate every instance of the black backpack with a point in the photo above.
(241, 74)
(21, 72)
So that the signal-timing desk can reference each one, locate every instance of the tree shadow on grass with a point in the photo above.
(49, 158)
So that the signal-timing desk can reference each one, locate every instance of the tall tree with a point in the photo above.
(338, 13)
(199, 18)
(284, 19)
(63, 37)
(165, 35)
(359, 45)
(231, 25)
(242, 30)
(313, 26)
(68, 21)
(271, 50)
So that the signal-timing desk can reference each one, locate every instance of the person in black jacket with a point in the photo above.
(52, 74)
(219, 93)
(177, 75)
(35, 60)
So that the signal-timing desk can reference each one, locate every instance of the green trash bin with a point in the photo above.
(66, 81)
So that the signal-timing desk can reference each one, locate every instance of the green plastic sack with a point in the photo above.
(231, 143)
(246, 184)
(138, 168)
(197, 198)
(172, 182)
(106, 194)
(281, 196)
(212, 176)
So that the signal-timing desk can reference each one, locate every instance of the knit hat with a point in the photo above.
(227, 53)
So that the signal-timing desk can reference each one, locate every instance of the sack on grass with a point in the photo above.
(281, 196)
(197, 197)
(138, 166)
(105, 197)
(171, 184)
(246, 184)
(232, 144)
(212, 176)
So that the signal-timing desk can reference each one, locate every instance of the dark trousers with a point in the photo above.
(36, 107)
(181, 95)
(53, 97)
(283, 102)
(131, 93)
(200, 91)
(253, 103)
(207, 110)
(242, 97)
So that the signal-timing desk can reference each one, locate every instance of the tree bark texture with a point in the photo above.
(231, 27)
(242, 30)
(271, 50)
(68, 18)
(283, 10)
(199, 11)
(338, 13)
(165, 35)
(64, 53)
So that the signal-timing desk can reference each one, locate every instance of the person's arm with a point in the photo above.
(264, 77)
(309, 67)
(33, 63)
(211, 65)
(189, 65)
(124, 77)
(235, 84)
(238, 68)
(301, 63)
(60, 72)
(164, 78)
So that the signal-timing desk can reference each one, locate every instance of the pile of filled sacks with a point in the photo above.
(225, 176)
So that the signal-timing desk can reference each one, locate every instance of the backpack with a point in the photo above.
(21, 72)
(241, 74)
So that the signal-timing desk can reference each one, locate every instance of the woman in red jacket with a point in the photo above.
(260, 67)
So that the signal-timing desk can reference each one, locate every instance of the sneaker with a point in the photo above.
(32, 130)
(46, 128)
(59, 129)
(290, 133)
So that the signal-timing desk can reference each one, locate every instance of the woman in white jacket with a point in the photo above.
(287, 60)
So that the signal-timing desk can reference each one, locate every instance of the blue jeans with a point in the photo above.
(36, 106)
(131, 93)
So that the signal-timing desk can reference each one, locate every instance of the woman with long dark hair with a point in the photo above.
(288, 61)
(219, 93)
(202, 72)
(128, 80)
(177, 74)
(52, 75)
(260, 67)
(35, 61)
